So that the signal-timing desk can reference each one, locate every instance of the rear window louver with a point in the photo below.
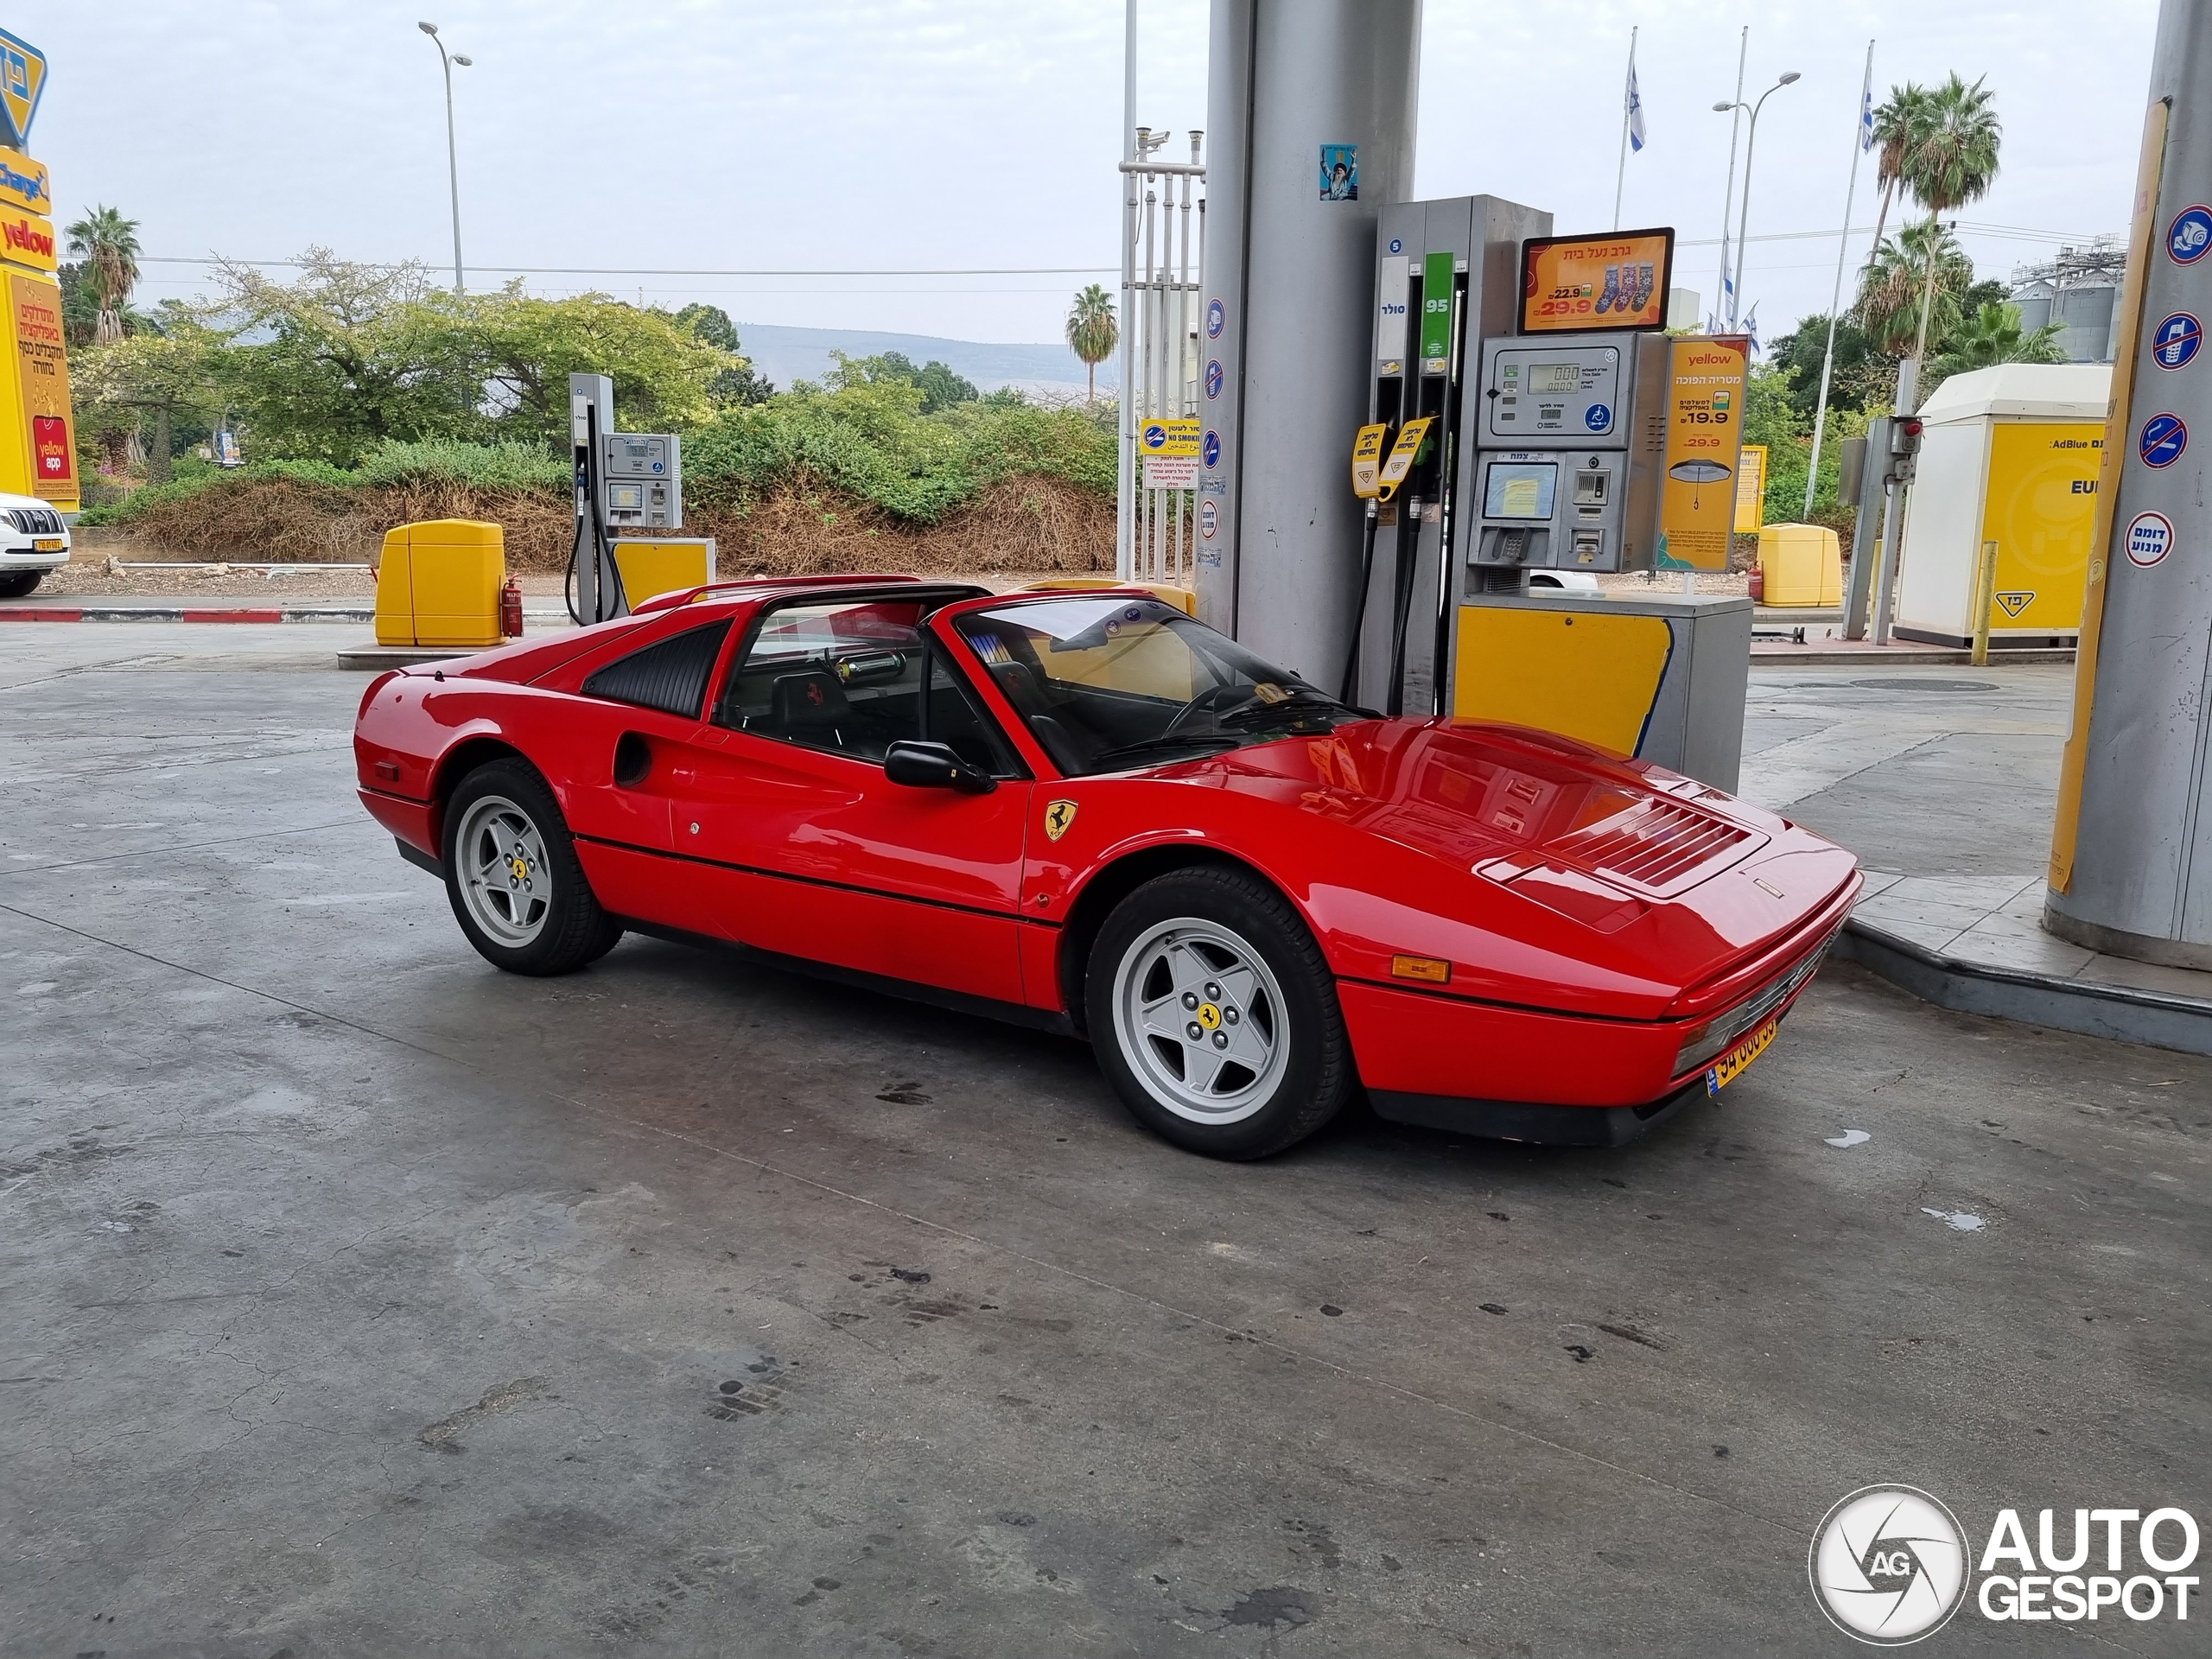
(671, 676)
(1660, 848)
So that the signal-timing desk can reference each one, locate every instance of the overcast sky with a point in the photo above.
(735, 135)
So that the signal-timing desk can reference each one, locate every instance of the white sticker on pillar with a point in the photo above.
(2150, 538)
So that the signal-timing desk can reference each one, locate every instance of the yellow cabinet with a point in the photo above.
(439, 584)
(1803, 563)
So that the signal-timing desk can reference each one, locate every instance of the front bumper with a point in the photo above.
(20, 553)
(1556, 1079)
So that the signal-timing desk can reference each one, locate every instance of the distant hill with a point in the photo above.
(788, 354)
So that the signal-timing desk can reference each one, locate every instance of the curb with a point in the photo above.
(2154, 1018)
(173, 614)
(1813, 656)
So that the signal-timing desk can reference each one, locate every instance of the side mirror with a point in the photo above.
(934, 766)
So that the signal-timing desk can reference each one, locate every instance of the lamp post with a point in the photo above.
(453, 165)
(1744, 209)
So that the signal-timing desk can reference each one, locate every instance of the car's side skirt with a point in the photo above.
(1046, 1020)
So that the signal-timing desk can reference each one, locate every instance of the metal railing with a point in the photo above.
(1162, 253)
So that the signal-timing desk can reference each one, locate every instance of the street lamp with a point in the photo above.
(453, 165)
(1751, 141)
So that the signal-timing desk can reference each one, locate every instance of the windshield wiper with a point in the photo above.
(1179, 741)
(1297, 702)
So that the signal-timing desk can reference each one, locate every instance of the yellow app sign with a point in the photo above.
(1367, 460)
(1697, 497)
(1401, 456)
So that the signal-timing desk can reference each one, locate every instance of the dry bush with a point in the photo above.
(1020, 524)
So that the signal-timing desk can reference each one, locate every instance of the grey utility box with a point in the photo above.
(1659, 677)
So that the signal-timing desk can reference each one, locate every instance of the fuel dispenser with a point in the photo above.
(624, 481)
(1550, 390)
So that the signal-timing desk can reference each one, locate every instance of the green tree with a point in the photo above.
(1801, 349)
(1920, 264)
(108, 244)
(733, 387)
(1898, 123)
(1993, 334)
(939, 386)
(333, 364)
(1949, 164)
(1093, 332)
(119, 384)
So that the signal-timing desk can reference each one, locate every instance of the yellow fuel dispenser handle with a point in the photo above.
(1401, 462)
(1367, 460)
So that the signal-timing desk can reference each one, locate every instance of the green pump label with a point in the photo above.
(1436, 313)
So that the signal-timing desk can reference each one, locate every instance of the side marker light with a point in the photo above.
(1432, 971)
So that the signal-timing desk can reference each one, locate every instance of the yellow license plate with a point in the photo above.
(1731, 1065)
(53, 546)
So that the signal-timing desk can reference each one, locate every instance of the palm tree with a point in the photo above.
(1952, 162)
(108, 244)
(1093, 333)
(1890, 286)
(1897, 126)
(1991, 336)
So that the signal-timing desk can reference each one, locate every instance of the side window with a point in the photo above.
(670, 675)
(844, 677)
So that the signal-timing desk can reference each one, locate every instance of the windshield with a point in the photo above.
(1107, 683)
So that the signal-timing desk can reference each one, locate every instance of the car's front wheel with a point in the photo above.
(513, 877)
(1215, 1016)
(14, 584)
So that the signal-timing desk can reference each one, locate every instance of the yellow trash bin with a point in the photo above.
(438, 584)
(1802, 564)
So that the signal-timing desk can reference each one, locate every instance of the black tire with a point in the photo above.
(1286, 1099)
(14, 584)
(564, 929)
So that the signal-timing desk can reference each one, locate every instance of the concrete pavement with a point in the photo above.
(362, 1300)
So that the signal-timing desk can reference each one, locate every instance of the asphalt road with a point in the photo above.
(360, 1300)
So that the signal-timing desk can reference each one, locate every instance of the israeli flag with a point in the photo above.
(1752, 327)
(1867, 121)
(1728, 294)
(1635, 111)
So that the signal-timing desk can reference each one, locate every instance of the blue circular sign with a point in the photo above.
(2164, 438)
(1213, 378)
(2188, 238)
(1209, 450)
(1154, 436)
(1396, 246)
(2174, 343)
(1217, 315)
(1597, 417)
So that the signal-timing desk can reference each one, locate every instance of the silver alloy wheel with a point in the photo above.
(1201, 1020)
(499, 858)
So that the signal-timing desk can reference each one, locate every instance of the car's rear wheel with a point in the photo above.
(513, 877)
(14, 584)
(1215, 1016)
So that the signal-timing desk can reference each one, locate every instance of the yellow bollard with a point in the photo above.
(1985, 596)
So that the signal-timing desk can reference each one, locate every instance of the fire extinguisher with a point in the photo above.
(1759, 586)
(510, 609)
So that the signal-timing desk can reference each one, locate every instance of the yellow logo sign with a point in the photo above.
(1697, 500)
(1209, 1016)
(23, 78)
(520, 867)
(25, 183)
(1172, 440)
(1058, 817)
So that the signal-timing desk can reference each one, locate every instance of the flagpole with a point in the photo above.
(1620, 174)
(1835, 300)
(1724, 299)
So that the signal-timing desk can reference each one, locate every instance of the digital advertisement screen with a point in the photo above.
(1591, 283)
(1519, 489)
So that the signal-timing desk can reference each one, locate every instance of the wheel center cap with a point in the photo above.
(1209, 1016)
(520, 867)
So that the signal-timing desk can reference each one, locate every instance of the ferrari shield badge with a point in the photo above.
(1058, 817)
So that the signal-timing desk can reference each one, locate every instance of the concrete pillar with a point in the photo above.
(1288, 281)
(2131, 868)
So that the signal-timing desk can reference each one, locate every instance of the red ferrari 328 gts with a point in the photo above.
(1088, 812)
